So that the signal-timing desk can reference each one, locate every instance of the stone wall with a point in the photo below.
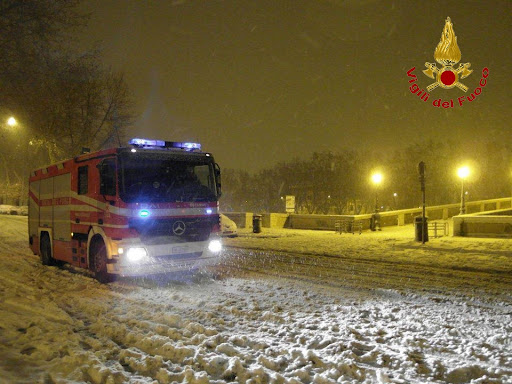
(496, 223)
(241, 219)
(390, 218)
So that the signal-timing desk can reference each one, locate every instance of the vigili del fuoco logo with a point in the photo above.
(447, 54)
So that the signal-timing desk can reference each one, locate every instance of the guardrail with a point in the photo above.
(438, 229)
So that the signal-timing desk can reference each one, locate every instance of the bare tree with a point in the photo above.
(31, 30)
(81, 105)
(63, 100)
(345, 177)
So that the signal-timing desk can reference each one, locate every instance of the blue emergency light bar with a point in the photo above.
(190, 146)
(164, 144)
(147, 143)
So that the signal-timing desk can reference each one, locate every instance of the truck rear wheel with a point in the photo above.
(98, 261)
(46, 251)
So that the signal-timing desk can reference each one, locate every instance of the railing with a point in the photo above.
(387, 218)
(400, 217)
(438, 229)
(348, 226)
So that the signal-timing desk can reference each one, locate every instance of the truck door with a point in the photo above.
(107, 188)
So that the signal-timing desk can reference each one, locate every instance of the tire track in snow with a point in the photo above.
(368, 274)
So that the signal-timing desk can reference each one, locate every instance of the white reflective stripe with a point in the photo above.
(83, 208)
(92, 205)
(129, 212)
(102, 225)
(167, 211)
(87, 200)
(154, 212)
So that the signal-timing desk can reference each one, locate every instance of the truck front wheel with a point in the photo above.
(98, 261)
(46, 251)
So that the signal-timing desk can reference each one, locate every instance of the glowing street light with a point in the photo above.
(463, 173)
(11, 121)
(377, 178)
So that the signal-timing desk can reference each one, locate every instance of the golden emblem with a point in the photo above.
(447, 54)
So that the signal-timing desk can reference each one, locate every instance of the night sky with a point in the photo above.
(263, 81)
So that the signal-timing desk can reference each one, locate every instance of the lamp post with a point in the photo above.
(11, 122)
(463, 173)
(377, 179)
(394, 201)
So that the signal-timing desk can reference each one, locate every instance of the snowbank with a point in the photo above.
(13, 210)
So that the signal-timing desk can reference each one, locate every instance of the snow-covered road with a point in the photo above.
(325, 308)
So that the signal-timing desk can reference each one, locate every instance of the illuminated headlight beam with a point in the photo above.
(215, 246)
(136, 254)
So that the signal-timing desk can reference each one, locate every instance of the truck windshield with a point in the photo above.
(166, 177)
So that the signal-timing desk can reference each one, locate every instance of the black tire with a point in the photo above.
(98, 261)
(46, 251)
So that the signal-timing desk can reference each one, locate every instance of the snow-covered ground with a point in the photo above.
(13, 210)
(291, 307)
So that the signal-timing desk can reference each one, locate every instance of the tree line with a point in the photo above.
(62, 97)
(340, 182)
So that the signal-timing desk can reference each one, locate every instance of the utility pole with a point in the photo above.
(424, 227)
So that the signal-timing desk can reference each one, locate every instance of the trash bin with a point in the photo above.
(256, 223)
(421, 230)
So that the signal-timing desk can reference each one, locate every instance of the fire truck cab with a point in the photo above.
(148, 208)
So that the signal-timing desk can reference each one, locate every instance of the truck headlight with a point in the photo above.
(215, 246)
(136, 254)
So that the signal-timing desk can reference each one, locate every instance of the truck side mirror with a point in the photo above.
(218, 180)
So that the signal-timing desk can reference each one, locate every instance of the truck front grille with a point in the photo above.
(188, 228)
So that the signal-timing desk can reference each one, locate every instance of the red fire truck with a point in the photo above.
(148, 208)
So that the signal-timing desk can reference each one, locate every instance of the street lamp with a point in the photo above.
(377, 179)
(11, 121)
(463, 173)
(394, 200)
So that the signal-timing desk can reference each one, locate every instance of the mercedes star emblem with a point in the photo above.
(178, 228)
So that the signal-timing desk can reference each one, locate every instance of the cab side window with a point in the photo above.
(107, 170)
(83, 180)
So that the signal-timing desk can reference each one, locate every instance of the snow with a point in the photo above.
(13, 210)
(392, 244)
(287, 306)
